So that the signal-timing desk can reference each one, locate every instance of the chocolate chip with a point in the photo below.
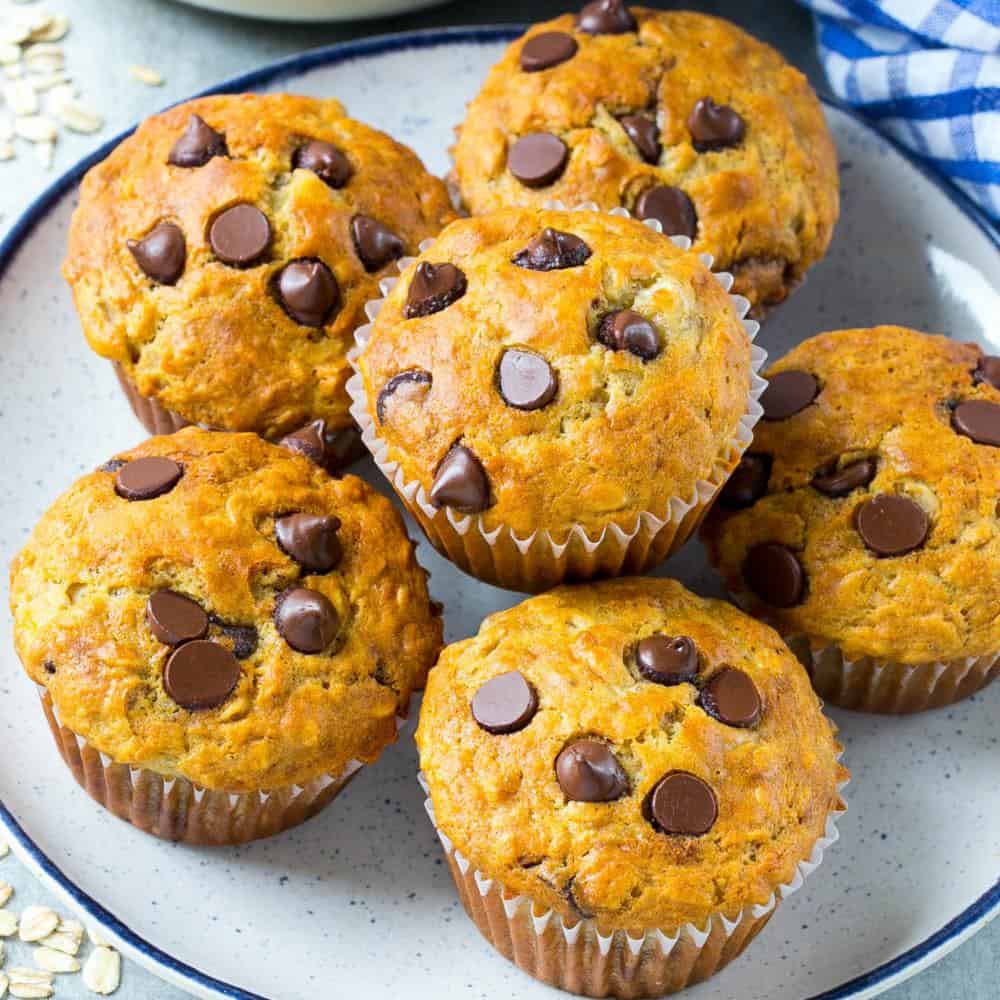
(460, 482)
(787, 393)
(161, 253)
(311, 540)
(645, 136)
(606, 17)
(671, 207)
(988, 370)
(201, 674)
(836, 482)
(198, 144)
(505, 704)
(240, 235)
(329, 449)
(325, 160)
(526, 380)
(243, 637)
(410, 386)
(547, 49)
(730, 696)
(538, 159)
(668, 660)
(552, 250)
(892, 525)
(308, 291)
(306, 620)
(683, 805)
(774, 573)
(978, 419)
(715, 126)
(375, 243)
(433, 287)
(587, 771)
(147, 478)
(748, 483)
(174, 618)
(627, 330)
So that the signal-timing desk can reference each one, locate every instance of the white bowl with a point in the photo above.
(312, 10)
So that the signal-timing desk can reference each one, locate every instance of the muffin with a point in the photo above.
(556, 394)
(626, 779)
(863, 523)
(221, 257)
(674, 115)
(221, 633)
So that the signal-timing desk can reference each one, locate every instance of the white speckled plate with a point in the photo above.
(357, 902)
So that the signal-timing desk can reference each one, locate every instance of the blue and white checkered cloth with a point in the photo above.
(928, 73)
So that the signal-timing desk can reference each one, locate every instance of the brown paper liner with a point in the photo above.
(148, 411)
(177, 810)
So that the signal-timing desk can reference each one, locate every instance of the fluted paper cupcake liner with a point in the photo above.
(154, 417)
(540, 560)
(579, 958)
(179, 810)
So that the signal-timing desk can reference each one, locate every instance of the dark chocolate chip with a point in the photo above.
(329, 449)
(460, 482)
(627, 330)
(552, 250)
(547, 49)
(671, 207)
(174, 618)
(606, 17)
(787, 393)
(837, 483)
(715, 126)
(684, 805)
(197, 145)
(147, 478)
(325, 160)
(433, 287)
(774, 573)
(526, 380)
(587, 771)
(240, 235)
(988, 370)
(311, 540)
(161, 253)
(49, 666)
(666, 659)
(410, 386)
(645, 136)
(892, 525)
(538, 159)
(308, 291)
(306, 620)
(730, 696)
(201, 674)
(748, 483)
(505, 704)
(376, 244)
(978, 419)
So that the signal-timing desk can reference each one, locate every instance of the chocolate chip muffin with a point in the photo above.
(222, 257)
(624, 777)
(675, 115)
(221, 633)
(863, 522)
(556, 394)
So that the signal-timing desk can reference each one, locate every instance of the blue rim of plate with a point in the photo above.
(885, 975)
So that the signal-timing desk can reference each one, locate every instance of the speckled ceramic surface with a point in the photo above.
(358, 901)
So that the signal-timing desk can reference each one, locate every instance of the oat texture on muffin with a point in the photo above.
(674, 115)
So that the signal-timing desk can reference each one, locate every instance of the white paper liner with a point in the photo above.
(177, 809)
(577, 957)
(540, 560)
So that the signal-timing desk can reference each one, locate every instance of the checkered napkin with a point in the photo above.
(928, 73)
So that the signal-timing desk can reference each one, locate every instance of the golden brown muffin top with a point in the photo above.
(568, 420)
(752, 177)
(214, 691)
(246, 330)
(877, 509)
(579, 829)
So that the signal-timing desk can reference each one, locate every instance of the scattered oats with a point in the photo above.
(30, 984)
(6, 151)
(61, 94)
(55, 29)
(97, 937)
(66, 937)
(49, 81)
(3, 848)
(45, 153)
(35, 128)
(37, 922)
(44, 59)
(55, 961)
(9, 53)
(3, 985)
(78, 117)
(21, 97)
(3, 957)
(13, 31)
(8, 923)
(14, 71)
(103, 971)
(146, 75)
(6, 890)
